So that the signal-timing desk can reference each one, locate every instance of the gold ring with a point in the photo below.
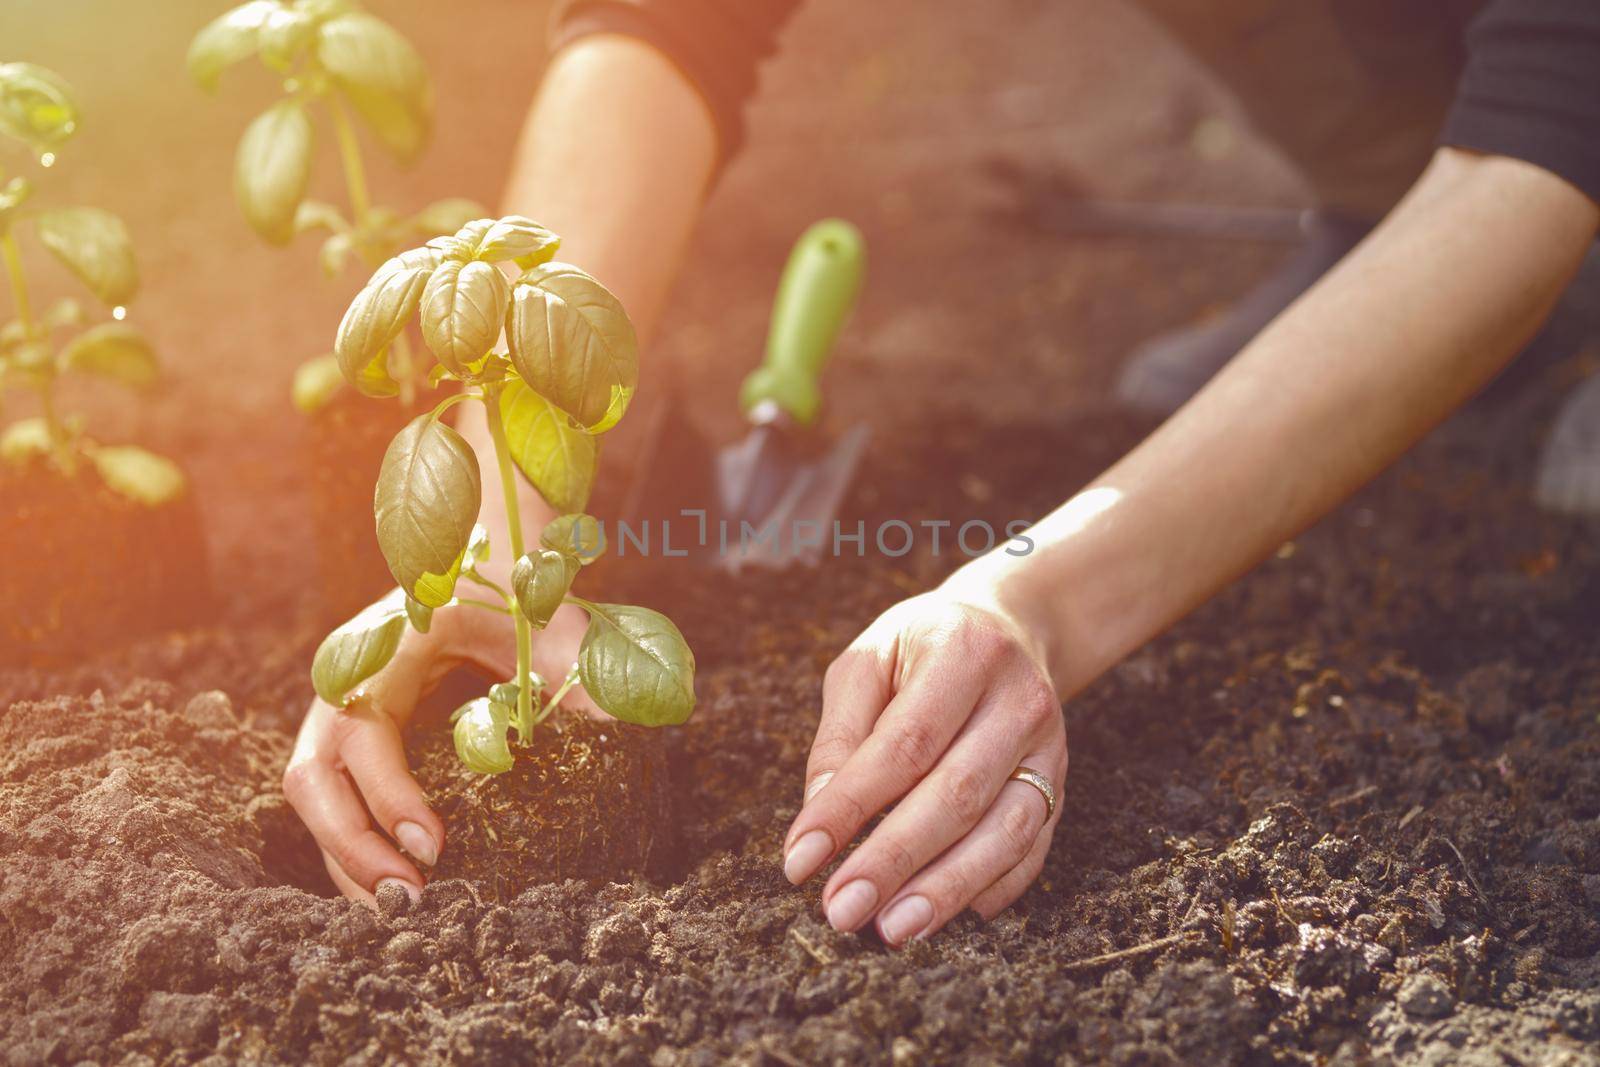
(1039, 782)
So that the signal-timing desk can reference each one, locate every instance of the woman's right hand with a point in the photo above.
(349, 770)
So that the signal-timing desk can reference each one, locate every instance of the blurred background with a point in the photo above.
(896, 114)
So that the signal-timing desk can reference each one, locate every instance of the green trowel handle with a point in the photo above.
(815, 297)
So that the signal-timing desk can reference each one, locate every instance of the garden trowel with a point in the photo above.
(769, 500)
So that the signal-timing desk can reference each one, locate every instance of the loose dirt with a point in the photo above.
(1345, 814)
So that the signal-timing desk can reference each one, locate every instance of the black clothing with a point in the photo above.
(1530, 87)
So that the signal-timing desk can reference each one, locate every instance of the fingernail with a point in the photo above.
(418, 842)
(816, 787)
(411, 891)
(905, 919)
(851, 905)
(808, 853)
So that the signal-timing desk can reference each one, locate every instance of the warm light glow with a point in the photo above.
(47, 159)
(119, 312)
(1084, 508)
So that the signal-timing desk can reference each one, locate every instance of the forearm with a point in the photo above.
(1439, 298)
(615, 157)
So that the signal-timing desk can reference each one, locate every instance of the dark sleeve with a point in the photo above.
(718, 44)
(1531, 87)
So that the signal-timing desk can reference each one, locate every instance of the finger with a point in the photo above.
(907, 740)
(326, 802)
(1009, 832)
(940, 811)
(1003, 894)
(343, 883)
(855, 690)
(1014, 883)
(371, 749)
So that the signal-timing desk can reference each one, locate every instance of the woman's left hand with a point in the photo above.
(930, 711)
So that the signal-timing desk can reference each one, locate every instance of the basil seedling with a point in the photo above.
(565, 375)
(334, 59)
(37, 109)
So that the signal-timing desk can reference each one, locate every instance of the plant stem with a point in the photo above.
(403, 368)
(355, 181)
(508, 486)
(487, 583)
(52, 419)
(19, 286)
(487, 605)
(47, 386)
(355, 174)
(451, 401)
(555, 698)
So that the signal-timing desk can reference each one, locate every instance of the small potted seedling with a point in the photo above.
(564, 375)
(338, 66)
(113, 540)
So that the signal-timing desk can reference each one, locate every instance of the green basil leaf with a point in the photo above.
(557, 457)
(515, 237)
(375, 318)
(284, 37)
(480, 736)
(357, 650)
(272, 168)
(578, 535)
(426, 505)
(463, 244)
(383, 78)
(64, 312)
(140, 476)
(540, 580)
(335, 253)
(324, 9)
(95, 246)
(13, 194)
(424, 259)
(25, 439)
(463, 307)
(636, 665)
(445, 216)
(226, 40)
(316, 382)
(315, 214)
(113, 350)
(507, 692)
(572, 342)
(420, 614)
(31, 356)
(36, 106)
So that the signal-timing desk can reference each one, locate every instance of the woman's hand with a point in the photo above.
(931, 710)
(347, 764)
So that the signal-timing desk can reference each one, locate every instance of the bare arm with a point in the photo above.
(1436, 301)
(615, 157)
(934, 706)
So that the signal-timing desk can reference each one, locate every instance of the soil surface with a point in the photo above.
(1346, 813)
(84, 566)
(585, 799)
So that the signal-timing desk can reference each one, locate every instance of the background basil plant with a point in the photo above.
(334, 59)
(564, 376)
(37, 113)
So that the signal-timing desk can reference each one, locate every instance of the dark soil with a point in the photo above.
(1345, 814)
(585, 800)
(83, 568)
(1349, 810)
